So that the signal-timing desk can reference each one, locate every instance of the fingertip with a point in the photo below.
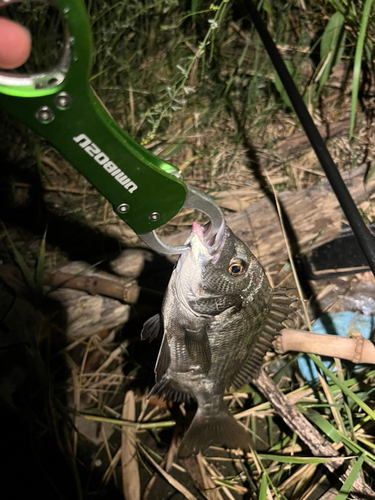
(15, 44)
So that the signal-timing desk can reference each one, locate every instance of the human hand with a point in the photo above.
(15, 44)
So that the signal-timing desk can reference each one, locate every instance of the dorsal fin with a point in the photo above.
(279, 312)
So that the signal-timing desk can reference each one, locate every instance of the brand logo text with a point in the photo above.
(92, 149)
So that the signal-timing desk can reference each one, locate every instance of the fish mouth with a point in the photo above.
(208, 246)
(203, 249)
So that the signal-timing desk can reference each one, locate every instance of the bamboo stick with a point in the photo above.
(354, 348)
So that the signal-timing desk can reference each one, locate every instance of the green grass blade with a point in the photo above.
(286, 459)
(332, 47)
(343, 386)
(338, 6)
(263, 488)
(358, 61)
(324, 425)
(280, 445)
(348, 484)
(280, 87)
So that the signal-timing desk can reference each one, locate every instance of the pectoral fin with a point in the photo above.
(198, 347)
(152, 328)
(164, 359)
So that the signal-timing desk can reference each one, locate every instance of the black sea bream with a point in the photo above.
(219, 318)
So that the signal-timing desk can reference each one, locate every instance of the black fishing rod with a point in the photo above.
(362, 234)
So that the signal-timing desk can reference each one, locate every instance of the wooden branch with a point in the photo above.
(317, 443)
(355, 349)
(118, 288)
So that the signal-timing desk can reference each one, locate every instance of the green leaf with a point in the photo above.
(348, 484)
(263, 488)
(332, 47)
(280, 87)
(331, 34)
(358, 62)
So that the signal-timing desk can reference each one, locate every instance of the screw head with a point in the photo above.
(63, 100)
(45, 115)
(123, 208)
(154, 216)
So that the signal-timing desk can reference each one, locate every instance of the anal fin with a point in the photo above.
(166, 390)
(198, 347)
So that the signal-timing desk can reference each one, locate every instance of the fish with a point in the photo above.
(218, 320)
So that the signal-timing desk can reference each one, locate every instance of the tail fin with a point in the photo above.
(219, 430)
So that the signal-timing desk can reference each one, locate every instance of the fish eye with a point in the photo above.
(237, 267)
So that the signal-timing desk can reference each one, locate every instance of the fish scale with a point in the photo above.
(220, 316)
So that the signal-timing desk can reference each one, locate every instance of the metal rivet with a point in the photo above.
(63, 100)
(45, 115)
(154, 216)
(123, 208)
